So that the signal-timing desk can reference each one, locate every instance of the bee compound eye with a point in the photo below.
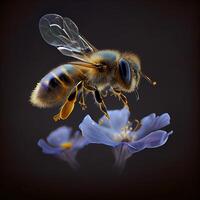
(125, 71)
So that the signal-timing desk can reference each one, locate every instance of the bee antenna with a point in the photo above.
(148, 79)
(137, 94)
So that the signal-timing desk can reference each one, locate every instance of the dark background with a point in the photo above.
(165, 34)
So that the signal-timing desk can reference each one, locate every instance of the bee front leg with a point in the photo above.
(101, 103)
(138, 125)
(98, 98)
(121, 97)
(68, 106)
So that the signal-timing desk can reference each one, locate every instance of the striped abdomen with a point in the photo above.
(56, 86)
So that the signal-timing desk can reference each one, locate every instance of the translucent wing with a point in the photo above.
(64, 35)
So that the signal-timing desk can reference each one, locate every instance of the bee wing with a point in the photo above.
(64, 35)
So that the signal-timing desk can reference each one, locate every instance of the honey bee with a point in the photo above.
(95, 71)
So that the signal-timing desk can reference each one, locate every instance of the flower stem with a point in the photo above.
(70, 157)
(121, 153)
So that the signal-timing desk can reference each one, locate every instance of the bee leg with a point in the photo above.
(98, 98)
(68, 106)
(101, 103)
(89, 87)
(121, 97)
(124, 99)
(105, 94)
(138, 125)
(82, 99)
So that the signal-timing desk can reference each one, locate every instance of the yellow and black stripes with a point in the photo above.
(56, 86)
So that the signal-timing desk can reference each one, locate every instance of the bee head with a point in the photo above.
(129, 72)
(130, 68)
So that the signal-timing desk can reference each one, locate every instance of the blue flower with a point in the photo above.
(119, 134)
(64, 144)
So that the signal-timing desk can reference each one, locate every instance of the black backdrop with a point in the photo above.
(165, 34)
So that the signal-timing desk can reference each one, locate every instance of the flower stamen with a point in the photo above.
(101, 122)
(124, 135)
(66, 145)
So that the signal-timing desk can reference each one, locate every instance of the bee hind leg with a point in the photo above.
(68, 106)
(101, 103)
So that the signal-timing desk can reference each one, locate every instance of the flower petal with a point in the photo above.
(78, 141)
(118, 119)
(153, 140)
(95, 133)
(47, 148)
(59, 136)
(152, 123)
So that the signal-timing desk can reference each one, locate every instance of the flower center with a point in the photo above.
(124, 135)
(66, 145)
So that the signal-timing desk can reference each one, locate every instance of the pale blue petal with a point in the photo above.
(79, 143)
(152, 123)
(46, 148)
(125, 150)
(95, 133)
(153, 140)
(59, 136)
(118, 119)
